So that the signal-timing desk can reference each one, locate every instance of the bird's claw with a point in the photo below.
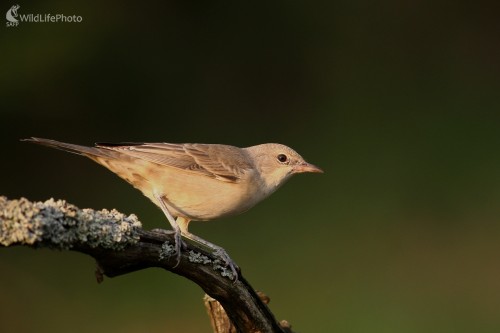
(179, 244)
(175, 250)
(221, 253)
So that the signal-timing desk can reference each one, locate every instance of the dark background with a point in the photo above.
(398, 101)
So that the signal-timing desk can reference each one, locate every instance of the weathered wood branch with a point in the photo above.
(120, 246)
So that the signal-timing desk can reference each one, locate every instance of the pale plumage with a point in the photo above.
(195, 181)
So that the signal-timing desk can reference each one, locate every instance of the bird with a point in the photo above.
(195, 181)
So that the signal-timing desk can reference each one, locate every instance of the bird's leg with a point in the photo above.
(217, 250)
(177, 231)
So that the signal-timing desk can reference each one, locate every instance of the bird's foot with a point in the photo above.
(174, 250)
(229, 263)
(224, 262)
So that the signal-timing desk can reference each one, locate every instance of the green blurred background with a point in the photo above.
(398, 101)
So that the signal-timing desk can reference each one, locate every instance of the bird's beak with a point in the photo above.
(306, 167)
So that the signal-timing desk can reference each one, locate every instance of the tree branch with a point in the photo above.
(120, 246)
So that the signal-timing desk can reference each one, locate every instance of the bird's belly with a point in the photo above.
(202, 198)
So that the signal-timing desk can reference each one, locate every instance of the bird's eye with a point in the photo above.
(282, 158)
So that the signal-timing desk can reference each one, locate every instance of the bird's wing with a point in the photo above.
(222, 162)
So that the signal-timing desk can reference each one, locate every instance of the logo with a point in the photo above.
(13, 18)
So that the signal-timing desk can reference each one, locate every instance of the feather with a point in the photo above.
(222, 162)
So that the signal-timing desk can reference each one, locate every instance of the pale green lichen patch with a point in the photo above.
(167, 250)
(199, 258)
(224, 271)
(62, 225)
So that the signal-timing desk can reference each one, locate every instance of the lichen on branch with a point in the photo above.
(58, 224)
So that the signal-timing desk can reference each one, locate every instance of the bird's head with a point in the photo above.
(276, 163)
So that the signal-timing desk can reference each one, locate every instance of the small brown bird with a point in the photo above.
(193, 181)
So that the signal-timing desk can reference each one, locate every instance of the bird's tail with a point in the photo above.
(76, 149)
